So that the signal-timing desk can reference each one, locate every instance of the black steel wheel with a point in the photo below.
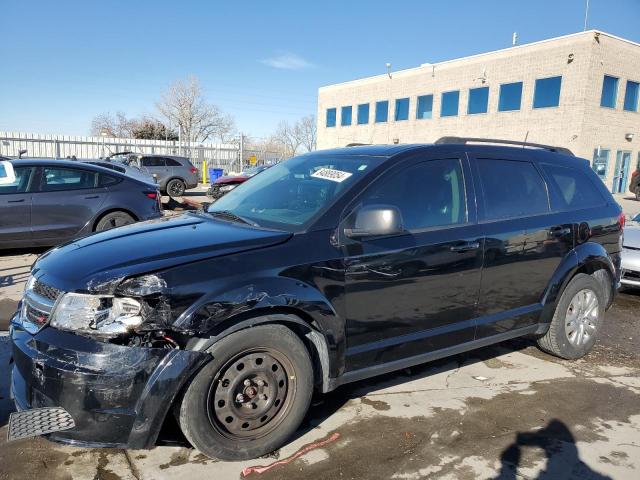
(176, 188)
(251, 397)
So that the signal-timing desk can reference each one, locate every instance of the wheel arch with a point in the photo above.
(112, 210)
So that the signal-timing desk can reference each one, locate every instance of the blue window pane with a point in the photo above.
(478, 100)
(631, 96)
(449, 107)
(382, 111)
(363, 114)
(345, 116)
(609, 92)
(547, 92)
(331, 117)
(510, 96)
(425, 106)
(402, 109)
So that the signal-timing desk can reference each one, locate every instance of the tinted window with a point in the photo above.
(547, 92)
(576, 189)
(510, 96)
(478, 100)
(21, 183)
(382, 111)
(345, 116)
(402, 109)
(631, 96)
(172, 163)
(511, 189)
(363, 114)
(56, 179)
(609, 92)
(331, 117)
(429, 194)
(449, 107)
(153, 161)
(105, 180)
(425, 106)
(600, 162)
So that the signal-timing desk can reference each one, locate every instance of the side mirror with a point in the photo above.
(375, 221)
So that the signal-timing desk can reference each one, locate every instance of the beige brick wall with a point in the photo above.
(579, 123)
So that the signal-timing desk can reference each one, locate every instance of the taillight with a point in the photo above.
(621, 220)
(193, 170)
(151, 195)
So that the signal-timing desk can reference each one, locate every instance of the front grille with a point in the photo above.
(631, 275)
(36, 316)
(46, 291)
(38, 421)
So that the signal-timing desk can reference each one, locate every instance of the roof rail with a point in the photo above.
(465, 140)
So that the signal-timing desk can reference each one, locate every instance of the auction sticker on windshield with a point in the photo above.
(331, 174)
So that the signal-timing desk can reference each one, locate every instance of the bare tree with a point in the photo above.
(184, 106)
(149, 128)
(306, 130)
(287, 138)
(112, 126)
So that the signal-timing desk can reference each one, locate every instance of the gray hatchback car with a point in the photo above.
(174, 174)
(48, 202)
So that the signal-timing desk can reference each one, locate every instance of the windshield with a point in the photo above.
(289, 194)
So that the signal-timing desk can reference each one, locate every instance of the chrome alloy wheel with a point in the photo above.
(582, 317)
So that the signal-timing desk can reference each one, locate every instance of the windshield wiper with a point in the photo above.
(229, 215)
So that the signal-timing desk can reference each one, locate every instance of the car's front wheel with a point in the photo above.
(577, 320)
(251, 397)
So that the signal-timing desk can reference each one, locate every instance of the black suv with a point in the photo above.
(328, 268)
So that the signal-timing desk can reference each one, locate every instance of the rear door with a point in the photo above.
(525, 241)
(415, 293)
(67, 201)
(15, 207)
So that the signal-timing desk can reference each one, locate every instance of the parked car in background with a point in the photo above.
(631, 254)
(174, 174)
(329, 268)
(53, 201)
(125, 169)
(223, 185)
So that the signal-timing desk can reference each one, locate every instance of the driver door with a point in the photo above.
(414, 293)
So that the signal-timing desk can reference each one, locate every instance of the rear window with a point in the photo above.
(105, 180)
(512, 189)
(173, 163)
(153, 161)
(575, 190)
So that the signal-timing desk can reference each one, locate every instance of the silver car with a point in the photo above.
(174, 174)
(631, 254)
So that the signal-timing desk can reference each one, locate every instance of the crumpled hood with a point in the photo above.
(93, 263)
(632, 235)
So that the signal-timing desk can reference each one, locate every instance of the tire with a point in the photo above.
(176, 188)
(637, 193)
(226, 418)
(577, 319)
(113, 220)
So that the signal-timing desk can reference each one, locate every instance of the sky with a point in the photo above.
(63, 62)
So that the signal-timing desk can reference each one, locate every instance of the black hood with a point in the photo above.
(91, 263)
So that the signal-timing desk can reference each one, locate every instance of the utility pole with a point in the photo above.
(241, 150)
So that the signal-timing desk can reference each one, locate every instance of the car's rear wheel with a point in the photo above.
(577, 320)
(114, 220)
(251, 397)
(176, 188)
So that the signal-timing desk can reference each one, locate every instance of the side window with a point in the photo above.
(512, 189)
(56, 179)
(576, 190)
(105, 180)
(153, 161)
(428, 194)
(172, 163)
(21, 182)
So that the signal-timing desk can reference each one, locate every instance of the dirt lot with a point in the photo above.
(503, 412)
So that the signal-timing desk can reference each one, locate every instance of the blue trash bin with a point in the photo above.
(215, 173)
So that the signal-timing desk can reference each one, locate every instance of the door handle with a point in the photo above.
(15, 201)
(559, 231)
(92, 197)
(465, 247)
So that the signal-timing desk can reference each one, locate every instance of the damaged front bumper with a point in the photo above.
(117, 396)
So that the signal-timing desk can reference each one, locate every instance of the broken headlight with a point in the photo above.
(96, 314)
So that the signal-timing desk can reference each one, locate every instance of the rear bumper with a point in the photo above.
(117, 396)
(630, 267)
